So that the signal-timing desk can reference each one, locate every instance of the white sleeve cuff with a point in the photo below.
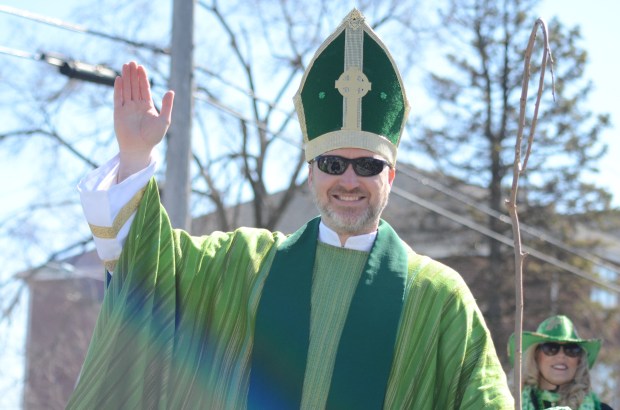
(102, 199)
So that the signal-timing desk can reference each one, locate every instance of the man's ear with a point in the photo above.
(391, 175)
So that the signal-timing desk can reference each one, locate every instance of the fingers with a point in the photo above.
(126, 84)
(166, 107)
(118, 92)
(135, 85)
(143, 85)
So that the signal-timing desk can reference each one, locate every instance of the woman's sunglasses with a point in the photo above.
(570, 349)
(363, 167)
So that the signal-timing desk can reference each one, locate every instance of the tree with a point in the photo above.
(246, 143)
(269, 44)
(249, 60)
(473, 130)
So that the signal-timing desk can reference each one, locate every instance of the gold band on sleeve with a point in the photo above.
(110, 232)
(110, 265)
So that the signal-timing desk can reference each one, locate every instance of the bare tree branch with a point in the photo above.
(54, 135)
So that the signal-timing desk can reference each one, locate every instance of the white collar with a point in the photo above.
(359, 242)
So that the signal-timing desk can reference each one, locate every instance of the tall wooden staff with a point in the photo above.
(511, 204)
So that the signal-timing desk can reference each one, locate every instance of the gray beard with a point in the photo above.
(349, 224)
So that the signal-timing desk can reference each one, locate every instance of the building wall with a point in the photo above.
(61, 320)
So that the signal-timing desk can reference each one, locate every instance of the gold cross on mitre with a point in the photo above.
(353, 84)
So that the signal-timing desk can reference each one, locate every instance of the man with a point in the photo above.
(341, 314)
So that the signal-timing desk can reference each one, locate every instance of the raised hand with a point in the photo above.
(138, 125)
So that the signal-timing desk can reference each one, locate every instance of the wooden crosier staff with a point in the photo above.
(518, 169)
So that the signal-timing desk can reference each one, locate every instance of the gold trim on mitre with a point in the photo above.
(351, 139)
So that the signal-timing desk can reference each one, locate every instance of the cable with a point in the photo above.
(18, 53)
(500, 238)
(412, 173)
(222, 107)
(99, 74)
(77, 28)
(242, 90)
(448, 214)
(76, 71)
(81, 29)
(444, 212)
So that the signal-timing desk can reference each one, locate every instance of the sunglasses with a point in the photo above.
(570, 349)
(363, 167)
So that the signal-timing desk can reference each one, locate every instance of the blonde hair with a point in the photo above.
(571, 393)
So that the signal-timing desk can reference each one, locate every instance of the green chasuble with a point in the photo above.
(176, 328)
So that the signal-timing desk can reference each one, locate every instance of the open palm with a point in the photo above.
(138, 125)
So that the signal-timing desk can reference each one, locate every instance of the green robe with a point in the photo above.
(176, 326)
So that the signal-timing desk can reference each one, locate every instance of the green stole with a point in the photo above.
(282, 327)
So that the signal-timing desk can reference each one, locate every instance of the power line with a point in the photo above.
(230, 111)
(537, 233)
(94, 73)
(501, 238)
(245, 91)
(54, 22)
(100, 74)
(18, 53)
(82, 29)
(450, 215)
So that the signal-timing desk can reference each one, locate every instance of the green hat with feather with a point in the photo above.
(352, 95)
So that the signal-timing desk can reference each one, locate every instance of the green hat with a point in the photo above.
(556, 329)
(352, 95)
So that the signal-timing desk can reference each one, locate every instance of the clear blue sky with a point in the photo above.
(598, 21)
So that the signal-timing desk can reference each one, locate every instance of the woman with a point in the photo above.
(556, 367)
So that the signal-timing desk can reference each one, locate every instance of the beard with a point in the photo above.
(350, 221)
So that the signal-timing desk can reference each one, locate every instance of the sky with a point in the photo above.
(598, 21)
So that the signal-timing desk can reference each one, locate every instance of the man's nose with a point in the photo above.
(349, 178)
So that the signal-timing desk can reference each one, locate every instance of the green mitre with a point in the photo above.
(352, 95)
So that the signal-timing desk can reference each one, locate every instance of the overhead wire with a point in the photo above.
(243, 90)
(78, 28)
(500, 238)
(403, 194)
(459, 219)
(19, 53)
(99, 73)
(231, 111)
(84, 30)
(410, 172)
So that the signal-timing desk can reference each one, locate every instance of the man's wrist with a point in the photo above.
(132, 162)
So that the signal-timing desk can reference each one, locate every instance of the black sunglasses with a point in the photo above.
(363, 167)
(570, 349)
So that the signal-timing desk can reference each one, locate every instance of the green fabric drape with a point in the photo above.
(176, 327)
(366, 347)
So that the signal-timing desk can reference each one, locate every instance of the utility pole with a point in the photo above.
(176, 194)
